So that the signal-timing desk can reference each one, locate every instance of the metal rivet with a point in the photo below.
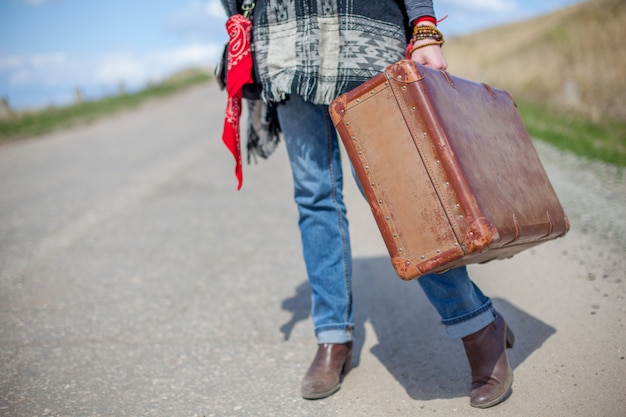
(358, 100)
(471, 234)
(461, 217)
(424, 134)
(347, 123)
(458, 205)
(372, 184)
(407, 263)
(381, 202)
(438, 251)
(413, 108)
(456, 244)
(367, 167)
(404, 87)
(360, 152)
(353, 137)
(399, 249)
(371, 93)
(395, 235)
(447, 184)
(422, 257)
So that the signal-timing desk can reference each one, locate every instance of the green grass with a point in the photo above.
(604, 141)
(34, 123)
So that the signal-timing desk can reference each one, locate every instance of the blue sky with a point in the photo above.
(49, 48)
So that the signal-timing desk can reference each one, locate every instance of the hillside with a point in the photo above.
(573, 59)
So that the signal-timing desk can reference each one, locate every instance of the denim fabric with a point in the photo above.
(462, 306)
(313, 149)
(315, 159)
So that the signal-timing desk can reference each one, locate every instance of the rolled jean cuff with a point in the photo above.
(334, 336)
(464, 328)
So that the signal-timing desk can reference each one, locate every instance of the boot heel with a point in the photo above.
(347, 365)
(510, 338)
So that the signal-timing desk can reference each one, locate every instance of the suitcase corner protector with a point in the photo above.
(405, 269)
(405, 71)
(567, 225)
(480, 235)
(337, 108)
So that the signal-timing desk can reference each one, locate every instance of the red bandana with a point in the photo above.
(239, 73)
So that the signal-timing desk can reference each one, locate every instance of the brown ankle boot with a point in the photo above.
(492, 376)
(331, 363)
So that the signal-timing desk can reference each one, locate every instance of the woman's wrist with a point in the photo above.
(425, 34)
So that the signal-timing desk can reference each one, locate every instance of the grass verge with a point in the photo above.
(34, 123)
(597, 141)
(604, 141)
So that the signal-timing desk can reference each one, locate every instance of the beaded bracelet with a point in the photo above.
(427, 32)
(415, 48)
(424, 32)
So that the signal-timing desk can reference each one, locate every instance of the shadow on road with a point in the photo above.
(409, 339)
(300, 307)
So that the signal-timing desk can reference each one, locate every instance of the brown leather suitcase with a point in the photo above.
(448, 168)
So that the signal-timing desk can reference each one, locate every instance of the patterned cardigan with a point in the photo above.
(320, 49)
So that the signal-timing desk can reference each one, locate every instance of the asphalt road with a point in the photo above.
(136, 281)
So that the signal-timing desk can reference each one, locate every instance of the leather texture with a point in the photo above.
(492, 375)
(448, 168)
(331, 363)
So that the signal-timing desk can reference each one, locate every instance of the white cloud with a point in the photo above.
(8, 62)
(117, 67)
(48, 75)
(37, 2)
(199, 20)
(194, 11)
(483, 5)
(44, 69)
(198, 54)
(136, 69)
(45, 61)
(214, 8)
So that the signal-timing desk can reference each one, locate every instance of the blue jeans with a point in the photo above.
(315, 159)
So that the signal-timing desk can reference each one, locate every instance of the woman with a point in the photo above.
(306, 54)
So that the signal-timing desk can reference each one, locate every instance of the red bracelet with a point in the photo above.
(422, 19)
